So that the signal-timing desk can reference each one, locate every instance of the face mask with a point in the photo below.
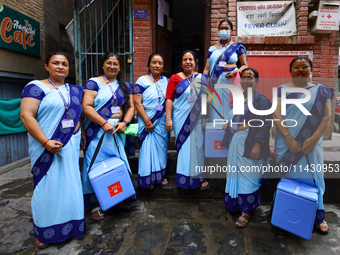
(224, 34)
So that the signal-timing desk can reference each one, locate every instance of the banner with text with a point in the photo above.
(19, 32)
(274, 18)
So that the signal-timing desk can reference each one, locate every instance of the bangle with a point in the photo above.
(148, 123)
(286, 135)
(167, 119)
(43, 145)
(102, 125)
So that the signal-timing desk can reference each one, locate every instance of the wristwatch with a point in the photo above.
(126, 123)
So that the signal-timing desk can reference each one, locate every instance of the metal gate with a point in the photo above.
(101, 26)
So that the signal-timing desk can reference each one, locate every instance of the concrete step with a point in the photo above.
(217, 188)
(171, 191)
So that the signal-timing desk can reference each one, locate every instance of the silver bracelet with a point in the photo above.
(167, 119)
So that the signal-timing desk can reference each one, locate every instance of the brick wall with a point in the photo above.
(142, 39)
(325, 47)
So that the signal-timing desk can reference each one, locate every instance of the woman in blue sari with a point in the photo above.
(183, 116)
(296, 145)
(50, 111)
(108, 107)
(149, 98)
(224, 60)
(248, 152)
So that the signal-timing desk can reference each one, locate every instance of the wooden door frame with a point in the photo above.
(153, 25)
(207, 29)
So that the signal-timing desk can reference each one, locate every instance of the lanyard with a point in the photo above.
(114, 93)
(226, 45)
(158, 88)
(187, 78)
(221, 48)
(61, 94)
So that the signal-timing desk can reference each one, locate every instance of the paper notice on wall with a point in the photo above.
(266, 18)
(163, 7)
(328, 16)
(160, 19)
(169, 23)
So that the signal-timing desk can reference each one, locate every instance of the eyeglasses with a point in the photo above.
(112, 63)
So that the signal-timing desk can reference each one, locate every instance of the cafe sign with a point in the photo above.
(19, 32)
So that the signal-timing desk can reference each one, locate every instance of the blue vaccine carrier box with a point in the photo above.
(295, 207)
(213, 137)
(111, 182)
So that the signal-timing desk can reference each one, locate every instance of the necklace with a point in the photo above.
(153, 78)
(114, 93)
(225, 44)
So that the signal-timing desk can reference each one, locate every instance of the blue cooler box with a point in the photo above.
(111, 182)
(213, 138)
(295, 207)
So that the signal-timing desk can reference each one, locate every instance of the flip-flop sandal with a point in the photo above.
(205, 187)
(243, 222)
(40, 245)
(99, 211)
(164, 184)
(323, 224)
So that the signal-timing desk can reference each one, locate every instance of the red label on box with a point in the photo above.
(217, 146)
(115, 189)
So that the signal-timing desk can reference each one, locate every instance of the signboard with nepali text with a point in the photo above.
(266, 18)
(327, 18)
(19, 32)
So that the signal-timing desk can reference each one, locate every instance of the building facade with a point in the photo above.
(29, 30)
(194, 25)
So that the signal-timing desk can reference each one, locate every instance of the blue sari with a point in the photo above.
(229, 54)
(187, 125)
(242, 190)
(305, 128)
(102, 104)
(154, 145)
(57, 201)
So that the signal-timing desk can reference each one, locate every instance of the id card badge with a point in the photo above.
(67, 123)
(115, 109)
(159, 108)
(191, 99)
(222, 64)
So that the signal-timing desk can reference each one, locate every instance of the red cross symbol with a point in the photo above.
(329, 16)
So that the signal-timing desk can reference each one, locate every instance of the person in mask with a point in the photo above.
(224, 60)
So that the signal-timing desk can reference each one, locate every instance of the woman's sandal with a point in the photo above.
(243, 222)
(207, 186)
(40, 245)
(323, 224)
(97, 211)
(164, 182)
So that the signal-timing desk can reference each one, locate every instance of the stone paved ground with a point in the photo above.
(156, 225)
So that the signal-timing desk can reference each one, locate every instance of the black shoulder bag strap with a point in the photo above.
(98, 148)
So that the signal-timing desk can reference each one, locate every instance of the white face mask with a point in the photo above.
(224, 34)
